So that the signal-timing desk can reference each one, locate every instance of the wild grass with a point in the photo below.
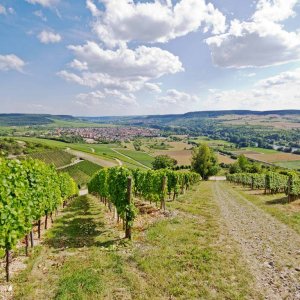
(186, 255)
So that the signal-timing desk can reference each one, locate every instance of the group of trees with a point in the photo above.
(244, 165)
(29, 190)
(115, 186)
(204, 162)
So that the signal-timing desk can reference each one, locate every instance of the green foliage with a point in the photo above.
(137, 145)
(244, 165)
(151, 185)
(204, 161)
(10, 146)
(29, 189)
(82, 171)
(59, 158)
(272, 182)
(243, 162)
(163, 162)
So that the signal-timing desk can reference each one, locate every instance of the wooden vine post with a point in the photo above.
(289, 187)
(7, 258)
(31, 239)
(163, 189)
(129, 195)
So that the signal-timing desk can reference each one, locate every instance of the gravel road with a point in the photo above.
(271, 249)
(93, 158)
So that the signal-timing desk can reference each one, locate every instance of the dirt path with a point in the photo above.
(92, 157)
(77, 161)
(119, 162)
(270, 247)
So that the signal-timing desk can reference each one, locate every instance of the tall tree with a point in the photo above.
(204, 161)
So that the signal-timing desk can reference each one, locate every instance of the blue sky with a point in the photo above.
(124, 57)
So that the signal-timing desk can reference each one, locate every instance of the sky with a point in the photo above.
(125, 57)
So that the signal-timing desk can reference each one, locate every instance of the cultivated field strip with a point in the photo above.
(270, 247)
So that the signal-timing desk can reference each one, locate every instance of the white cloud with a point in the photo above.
(45, 3)
(102, 80)
(122, 69)
(2, 10)
(40, 14)
(177, 98)
(11, 62)
(152, 87)
(148, 62)
(276, 92)
(260, 42)
(159, 21)
(275, 10)
(93, 8)
(47, 37)
(11, 10)
(106, 97)
(78, 65)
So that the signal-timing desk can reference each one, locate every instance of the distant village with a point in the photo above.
(108, 134)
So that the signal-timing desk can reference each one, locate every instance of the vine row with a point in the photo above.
(29, 191)
(116, 186)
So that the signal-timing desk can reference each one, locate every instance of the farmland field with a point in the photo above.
(142, 157)
(103, 151)
(183, 157)
(225, 159)
(59, 158)
(289, 164)
(272, 158)
(82, 171)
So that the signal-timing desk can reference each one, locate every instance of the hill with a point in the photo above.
(31, 119)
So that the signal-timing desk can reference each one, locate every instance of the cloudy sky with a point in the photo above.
(125, 57)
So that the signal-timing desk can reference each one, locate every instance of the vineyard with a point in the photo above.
(59, 158)
(82, 171)
(271, 182)
(29, 191)
(116, 185)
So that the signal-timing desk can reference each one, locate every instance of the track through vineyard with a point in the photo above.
(270, 247)
(212, 244)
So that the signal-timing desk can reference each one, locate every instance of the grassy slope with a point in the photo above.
(102, 150)
(289, 164)
(181, 257)
(261, 150)
(142, 157)
(59, 158)
(82, 171)
(276, 205)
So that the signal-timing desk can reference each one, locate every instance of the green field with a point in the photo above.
(59, 158)
(82, 172)
(210, 142)
(142, 157)
(289, 164)
(260, 150)
(105, 151)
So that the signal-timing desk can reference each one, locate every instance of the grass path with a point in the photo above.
(181, 255)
